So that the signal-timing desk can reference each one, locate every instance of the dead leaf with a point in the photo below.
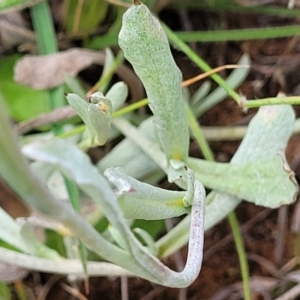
(44, 72)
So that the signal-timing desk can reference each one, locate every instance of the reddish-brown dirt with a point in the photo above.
(275, 67)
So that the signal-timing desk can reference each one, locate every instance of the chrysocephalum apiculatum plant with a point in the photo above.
(139, 200)
(146, 47)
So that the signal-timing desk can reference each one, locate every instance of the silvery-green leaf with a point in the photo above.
(267, 134)
(117, 237)
(100, 110)
(269, 183)
(81, 107)
(74, 85)
(109, 60)
(147, 238)
(76, 165)
(129, 156)
(235, 79)
(265, 140)
(12, 233)
(117, 95)
(200, 93)
(132, 158)
(139, 200)
(146, 47)
(96, 114)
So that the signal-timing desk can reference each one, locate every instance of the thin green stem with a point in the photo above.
(241, 253)
(238, 34)
(75, 201)
(72, 132)
(198, 134)
(44, 29)
(107, 76)
(199, 62)
(130, 108)
(231, 6)
(110, 40)
(47, 44)
(270, 101)
(73, 194)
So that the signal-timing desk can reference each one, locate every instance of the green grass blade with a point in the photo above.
(241, 254)
(47, 44)
(230, 6)
(239, 34)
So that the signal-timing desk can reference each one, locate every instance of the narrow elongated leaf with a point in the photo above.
(117, 95)
(146, 47)
(139, 200)
(129, 156)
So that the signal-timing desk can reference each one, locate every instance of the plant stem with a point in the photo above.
(241, 253)
(130, 108)
(198, 134)
(110, 39)
(104, 79)
(199, 62)
(228, 6)
(270, 101)
(239, 34)
(44, 29)
(61, 266)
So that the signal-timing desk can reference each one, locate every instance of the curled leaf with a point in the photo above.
(96, 114)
